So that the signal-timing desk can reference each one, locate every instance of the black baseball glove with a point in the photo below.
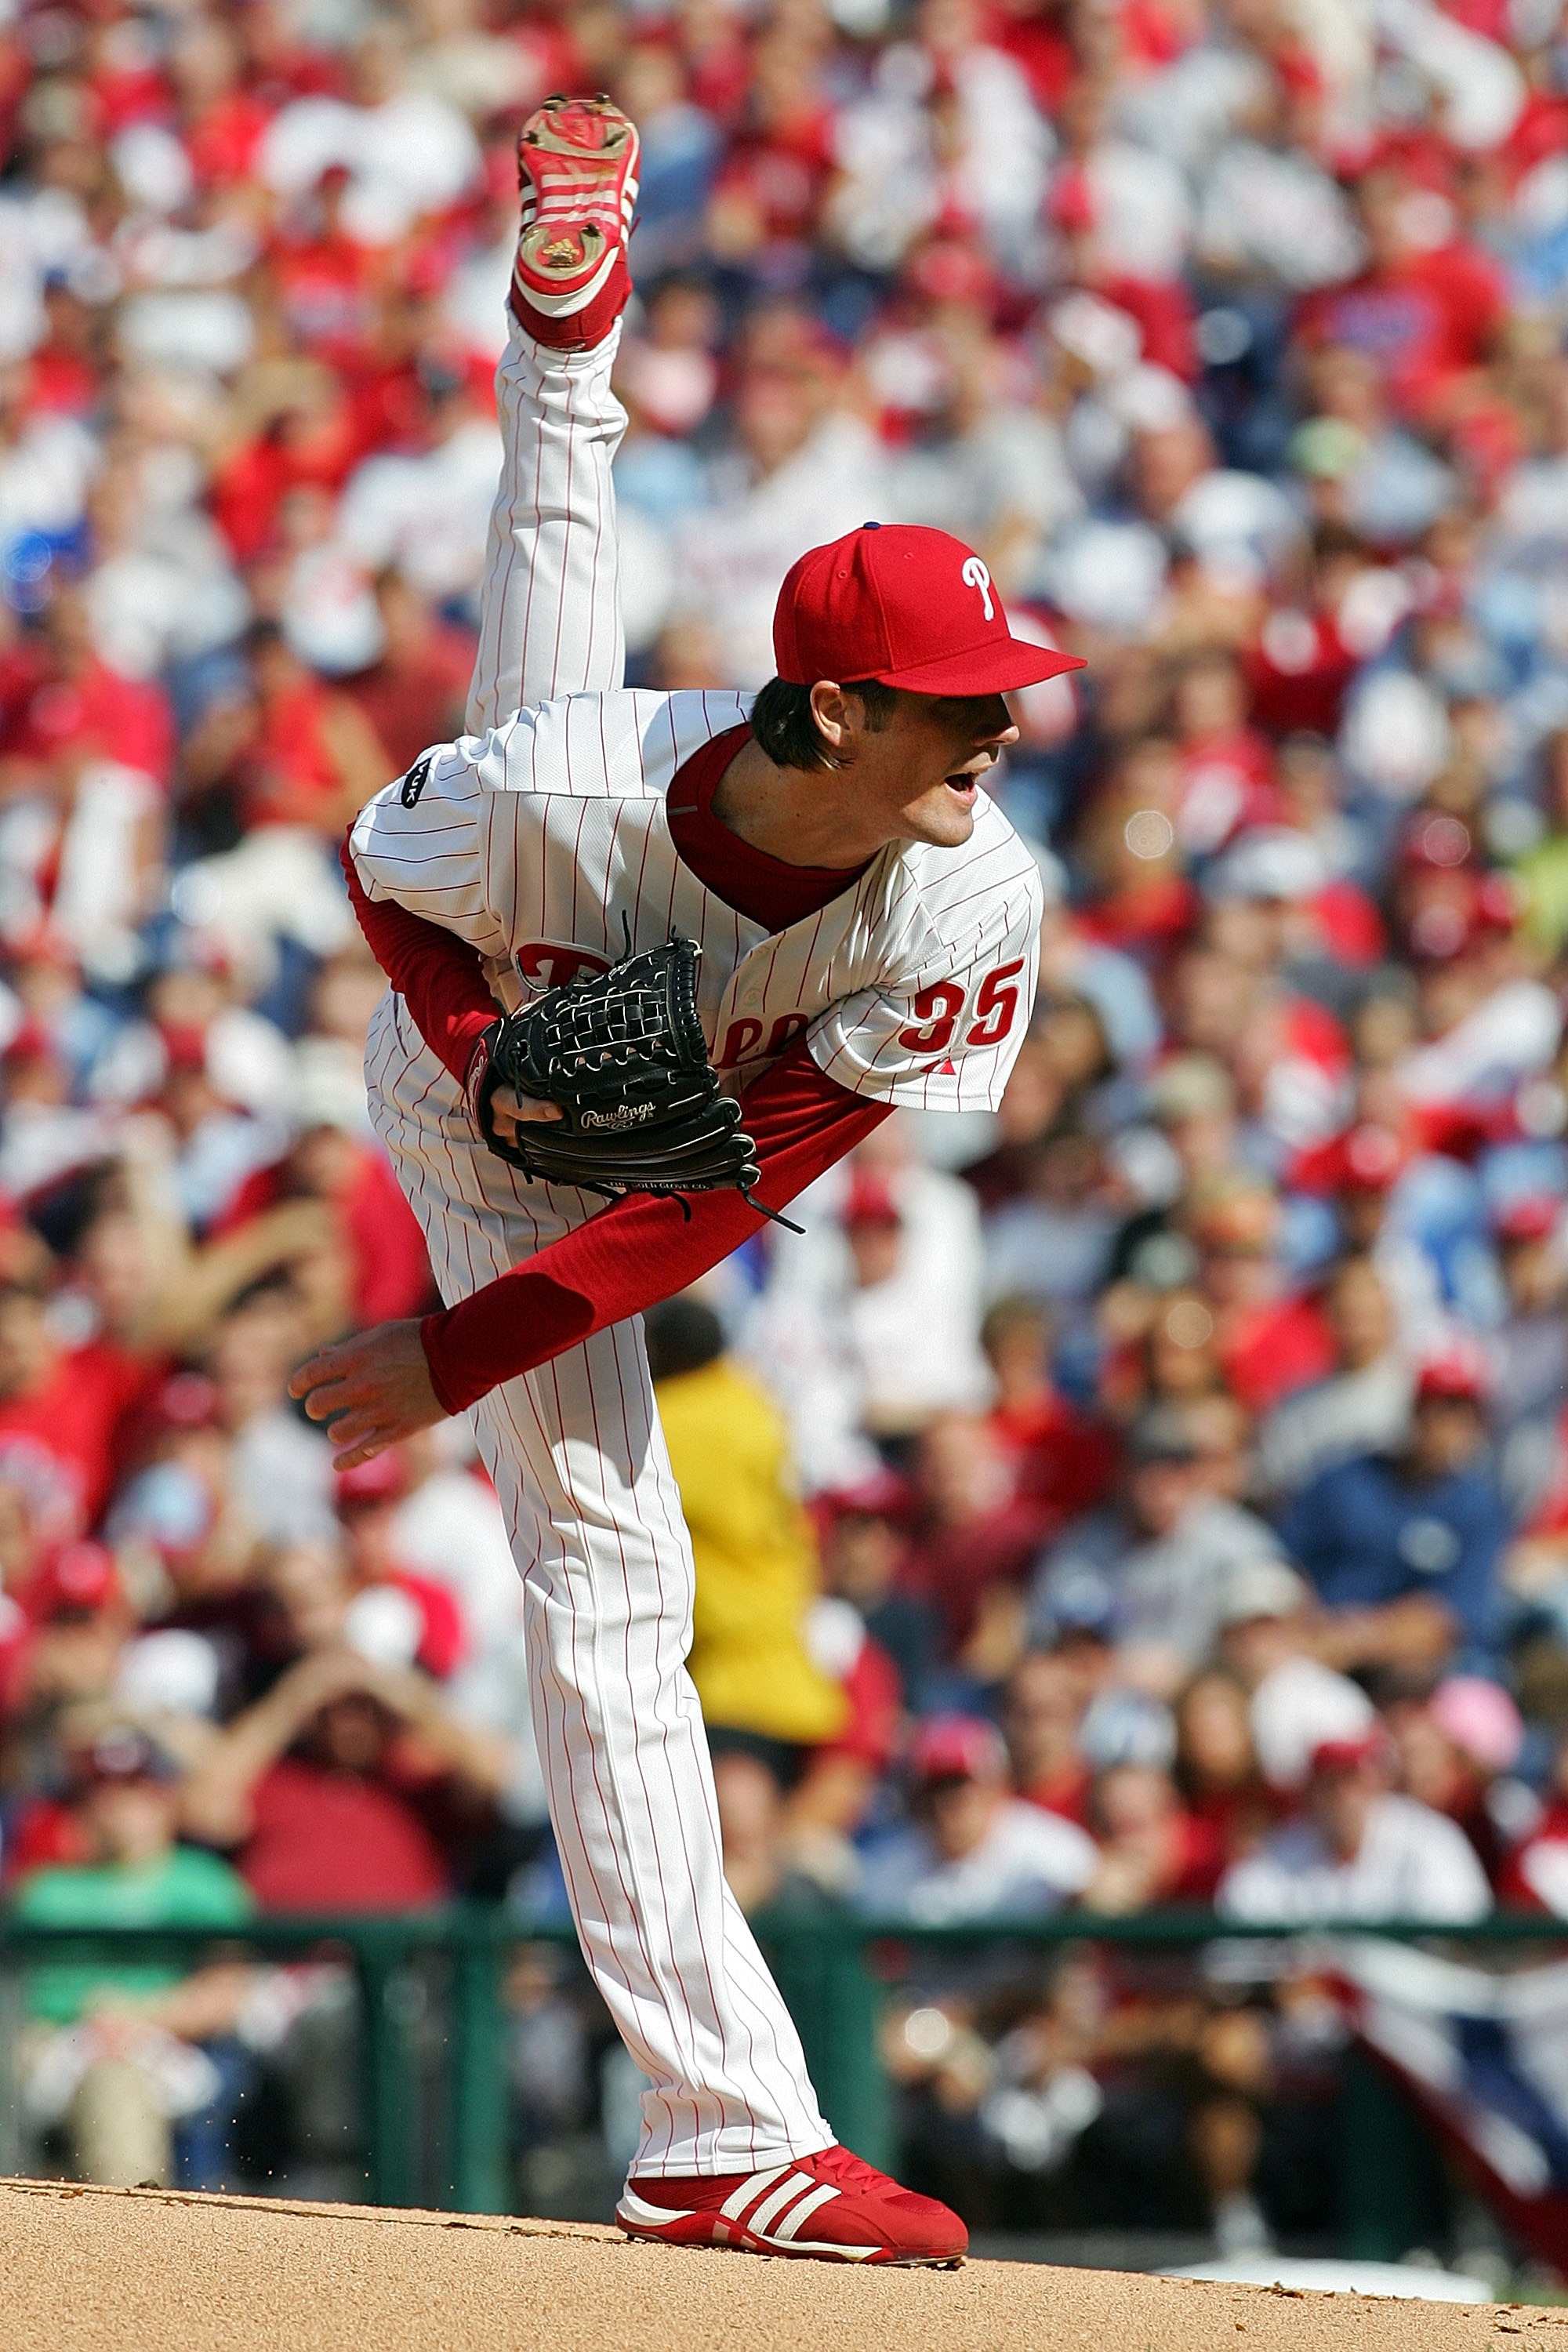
(623, 1053)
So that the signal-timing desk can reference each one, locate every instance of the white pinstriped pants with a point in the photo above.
(575, 1448)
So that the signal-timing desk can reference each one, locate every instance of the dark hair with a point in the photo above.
(682, 1335)
(1012, 1313)
(782, 724)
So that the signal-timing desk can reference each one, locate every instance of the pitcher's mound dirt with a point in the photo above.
(103, 2270)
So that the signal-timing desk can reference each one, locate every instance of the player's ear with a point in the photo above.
(830, 710)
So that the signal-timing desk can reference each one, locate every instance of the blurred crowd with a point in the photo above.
(1156, 1493)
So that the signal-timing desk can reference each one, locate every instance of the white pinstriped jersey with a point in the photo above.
(546, 842)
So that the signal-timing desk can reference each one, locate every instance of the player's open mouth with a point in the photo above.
(965, 786)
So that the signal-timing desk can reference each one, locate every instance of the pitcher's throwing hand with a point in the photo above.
(373, 1390)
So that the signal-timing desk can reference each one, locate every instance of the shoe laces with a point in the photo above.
(841, 2165)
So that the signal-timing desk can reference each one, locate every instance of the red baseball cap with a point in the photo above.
(957, 1747)
(1531, 1219)
(870, 1202)
(880, 1495)
(907, 606)
(81, 1580)
(1371, 1159)
(382, 1479)
(1349, 1753)
(1458, 1375)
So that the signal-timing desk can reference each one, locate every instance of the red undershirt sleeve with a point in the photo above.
(437, 975)
(640, 1249)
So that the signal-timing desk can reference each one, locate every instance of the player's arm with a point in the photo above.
(431, 844)
(438, 976)
(383, 1385)
(947, 1043)
(442, 981)
(636, 1252)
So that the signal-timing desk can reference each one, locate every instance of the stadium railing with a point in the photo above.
(823, 1966)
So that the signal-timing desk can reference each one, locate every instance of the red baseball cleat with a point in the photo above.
(828, 2208)
(577, 167)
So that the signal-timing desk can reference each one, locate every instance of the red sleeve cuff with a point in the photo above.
(545, 1317)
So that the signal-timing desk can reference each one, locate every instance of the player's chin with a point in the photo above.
(945, 817)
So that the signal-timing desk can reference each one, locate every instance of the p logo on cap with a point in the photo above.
(977, 576)
(909, 607)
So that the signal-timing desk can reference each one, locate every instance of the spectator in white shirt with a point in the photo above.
(801, 467)
(1268, 1642)
(1358, 1852)
(1161, 1560)
(407, 153)
(427, 510)
(974, 1850)
(873, 1322)
(1362, 1408)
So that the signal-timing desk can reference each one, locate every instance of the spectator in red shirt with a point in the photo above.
(973, 1541)
(221, 122)
(771, 182)
(1151, 1849)
(1271, 1342)
(1428, 307)
(64, 1413)
(387, 1271)
(308, 433)
(63, 370)
(1038, 39)
(75, 1617)
(367, 1499)
(348, 1787)
(1225, 770)
(61, 1643)
(413, 695)
(79, 709)
(1142, 899)
(295, 752)
(326, 283)
(1217, 1768)
(1062, 1458)
(864, 1537)
(1042, 1709)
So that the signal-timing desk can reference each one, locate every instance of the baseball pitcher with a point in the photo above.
(657, 961)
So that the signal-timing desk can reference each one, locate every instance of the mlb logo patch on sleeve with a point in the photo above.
(414, 782)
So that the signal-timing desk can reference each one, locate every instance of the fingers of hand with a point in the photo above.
(361, 1453)
(511, 1110)
(357, 1439)
(326, 1401)
(359, 1423)
(311, 1376)
(331, 1380)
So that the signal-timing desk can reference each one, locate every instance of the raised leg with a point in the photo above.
(550, 611)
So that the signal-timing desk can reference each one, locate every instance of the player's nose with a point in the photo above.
(995, 727)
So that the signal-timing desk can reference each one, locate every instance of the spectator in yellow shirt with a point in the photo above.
(755, 1555)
